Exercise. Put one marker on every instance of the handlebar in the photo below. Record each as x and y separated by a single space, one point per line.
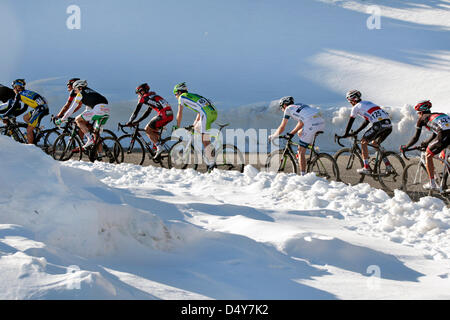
411 149
337 138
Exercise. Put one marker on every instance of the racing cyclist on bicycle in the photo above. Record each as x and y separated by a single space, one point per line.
206 115
381 126
19 104
96 110
69 101
439 125
309 122
163 117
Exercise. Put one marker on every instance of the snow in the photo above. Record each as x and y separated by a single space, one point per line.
81 230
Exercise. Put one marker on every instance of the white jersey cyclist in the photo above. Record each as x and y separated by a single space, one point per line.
369 111
312 121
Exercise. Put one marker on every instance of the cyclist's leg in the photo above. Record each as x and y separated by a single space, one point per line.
33 119
152 129
30 128
370 135
307 135
207 118
441 142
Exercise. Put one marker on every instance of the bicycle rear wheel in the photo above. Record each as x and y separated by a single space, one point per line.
279 162
182 155
348 162
49 140
413 178
390 171
229 157
67 147
133 149
324 166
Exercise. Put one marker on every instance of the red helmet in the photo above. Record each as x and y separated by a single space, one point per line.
143 87
423 106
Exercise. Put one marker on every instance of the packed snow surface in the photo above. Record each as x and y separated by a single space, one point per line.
99 231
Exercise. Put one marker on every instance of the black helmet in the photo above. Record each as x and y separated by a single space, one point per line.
143 87
286 100
19 82
353 95
71 81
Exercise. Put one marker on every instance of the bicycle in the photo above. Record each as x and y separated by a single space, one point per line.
43 138
135 146
183 154
416 175
69 144
284 160
387 165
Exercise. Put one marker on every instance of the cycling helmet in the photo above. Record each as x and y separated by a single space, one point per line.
423 106
80 84
143 87
353 95
18 82
71 81
180 87
286 100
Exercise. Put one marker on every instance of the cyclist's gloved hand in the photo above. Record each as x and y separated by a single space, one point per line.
402 147
272 137
59 122
128 124
174 128
290 135
423 144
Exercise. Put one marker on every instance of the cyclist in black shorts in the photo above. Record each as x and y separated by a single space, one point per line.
439 125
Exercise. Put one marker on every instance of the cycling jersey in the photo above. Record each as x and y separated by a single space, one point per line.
369 111
154 102
434 122
197 103
6 93
90 98
303 113
22 101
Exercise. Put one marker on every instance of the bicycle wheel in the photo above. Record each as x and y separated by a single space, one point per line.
348 162
133 149
229 157
182 155
166 144
390 171
67 147
279 162
324 166
106 133
413 178
112 151
49 140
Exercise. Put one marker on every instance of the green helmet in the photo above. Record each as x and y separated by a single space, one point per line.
180 87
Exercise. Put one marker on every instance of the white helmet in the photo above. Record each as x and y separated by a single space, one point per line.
353 95
80 84
286 100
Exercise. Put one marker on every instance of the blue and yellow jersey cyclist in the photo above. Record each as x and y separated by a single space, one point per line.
20 103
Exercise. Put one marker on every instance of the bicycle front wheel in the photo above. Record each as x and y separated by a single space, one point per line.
67 147
133 149
413 178
49 140
277 161
348 162
324 166
112 151
182 155
229 157
390 169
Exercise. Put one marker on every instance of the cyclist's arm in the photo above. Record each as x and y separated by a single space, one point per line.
415 138
363 125
64 108
145 115
349 126
135 112
281 128
179 114
76 104
297 128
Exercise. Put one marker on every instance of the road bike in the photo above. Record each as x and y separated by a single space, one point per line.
284 160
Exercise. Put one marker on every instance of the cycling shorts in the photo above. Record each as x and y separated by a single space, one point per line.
161 119
36 115
99 115
380 130
439 143
309 131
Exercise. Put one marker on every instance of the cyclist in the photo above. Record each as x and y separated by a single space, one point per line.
309 122
69 101
381 126
206 115
163 117
439 125
19 104
6 94
96 110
